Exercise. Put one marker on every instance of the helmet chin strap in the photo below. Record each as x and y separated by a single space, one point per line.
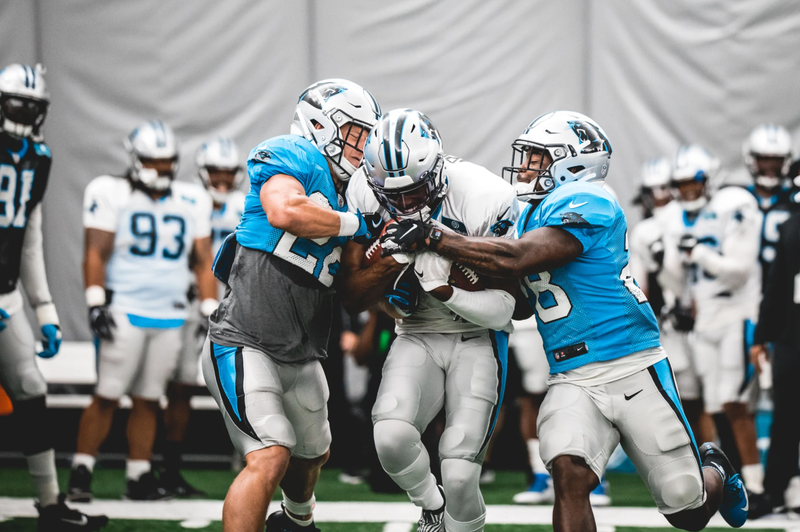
694 205
17 130
768 181
218 196
151 180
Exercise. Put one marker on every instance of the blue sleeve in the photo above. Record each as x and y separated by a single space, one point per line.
279 156
586 210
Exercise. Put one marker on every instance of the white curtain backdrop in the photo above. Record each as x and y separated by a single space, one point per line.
653 73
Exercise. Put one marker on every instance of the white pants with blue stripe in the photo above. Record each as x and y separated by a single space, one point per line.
643 413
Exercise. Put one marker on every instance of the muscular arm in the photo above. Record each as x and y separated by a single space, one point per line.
536 251
206 283
364 288
288 208
32 271
97 248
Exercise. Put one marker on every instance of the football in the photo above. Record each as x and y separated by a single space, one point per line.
373 252
465 278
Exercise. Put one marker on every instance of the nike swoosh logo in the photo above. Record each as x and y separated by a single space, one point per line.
501 215
576 205
376 223
629 397
419 274
83 521
468 338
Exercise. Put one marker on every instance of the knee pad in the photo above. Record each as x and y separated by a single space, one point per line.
397 443
460 479
31 420
678 484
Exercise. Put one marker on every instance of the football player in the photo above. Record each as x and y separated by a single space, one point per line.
221 173
712 247
451 350
610 379
262 357
140 231
767 154
24 170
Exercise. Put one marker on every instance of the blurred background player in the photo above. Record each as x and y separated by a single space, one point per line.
220 172
711 247
261 361
24 171
140 231
452 337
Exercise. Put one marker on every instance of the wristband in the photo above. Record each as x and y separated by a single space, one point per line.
434 236
95 296
348 223
208 306
46 314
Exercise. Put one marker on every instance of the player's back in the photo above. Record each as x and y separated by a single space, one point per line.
148 271
590 309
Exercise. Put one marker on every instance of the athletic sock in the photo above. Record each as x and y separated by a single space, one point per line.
42 467
427 494
134 469
477 524
753 476
81 459
535 459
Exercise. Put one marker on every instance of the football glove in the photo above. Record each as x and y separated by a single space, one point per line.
101 322
403 237
369 227
52 341
432 270
3 317
687 243
657 253
404 292
681 318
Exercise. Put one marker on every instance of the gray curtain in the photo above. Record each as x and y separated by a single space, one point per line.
652 73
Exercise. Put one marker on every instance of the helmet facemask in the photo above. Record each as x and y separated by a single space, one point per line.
525 163
154 174
351 134
695 198
220 182
768 171
22 115
405 198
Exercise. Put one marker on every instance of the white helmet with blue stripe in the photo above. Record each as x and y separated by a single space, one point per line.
153 143
404 164
220 154
23 100
768 141
577 145
692 163
323 111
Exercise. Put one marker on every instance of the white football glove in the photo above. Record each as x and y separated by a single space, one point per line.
403 258
432 270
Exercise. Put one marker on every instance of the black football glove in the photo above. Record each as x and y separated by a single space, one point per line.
681 318
406 236
404 292
369 229
687 243
657 253
101 322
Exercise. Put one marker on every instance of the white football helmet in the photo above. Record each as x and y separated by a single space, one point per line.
151 141
23 100
404 164
655 191
324 109
693 163
768 140
219 154
579 148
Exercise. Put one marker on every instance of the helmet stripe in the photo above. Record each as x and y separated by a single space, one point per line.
398 141
27 80
387 153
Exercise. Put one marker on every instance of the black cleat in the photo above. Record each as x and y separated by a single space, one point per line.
280 522
760 505
432 520
735 506
173 481
61 518
80 485
147 488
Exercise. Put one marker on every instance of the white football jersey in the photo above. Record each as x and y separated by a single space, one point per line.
642 237
148 271
225 219
724 282
477 202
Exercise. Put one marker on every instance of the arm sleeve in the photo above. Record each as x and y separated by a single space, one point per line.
32 271
99 208
738 251
773 312
488 308
585 210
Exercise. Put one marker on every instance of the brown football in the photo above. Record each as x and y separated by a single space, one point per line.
465 278
373 252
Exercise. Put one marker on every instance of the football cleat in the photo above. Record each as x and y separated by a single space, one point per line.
599 496
173 481
280 522
735 505
147 488
432 520
539 492
80 485
61 518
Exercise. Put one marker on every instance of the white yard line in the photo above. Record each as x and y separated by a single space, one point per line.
395 514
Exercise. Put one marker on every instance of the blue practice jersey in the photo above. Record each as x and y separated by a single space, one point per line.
591 309
294 156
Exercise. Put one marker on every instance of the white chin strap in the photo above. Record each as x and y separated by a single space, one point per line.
17 130
768 181
694 205
218 196
150 179
344 170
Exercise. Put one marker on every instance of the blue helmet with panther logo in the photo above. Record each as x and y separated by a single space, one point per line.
577 145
